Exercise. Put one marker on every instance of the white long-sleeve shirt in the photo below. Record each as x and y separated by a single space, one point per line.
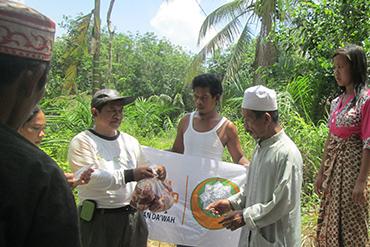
110 157
270 199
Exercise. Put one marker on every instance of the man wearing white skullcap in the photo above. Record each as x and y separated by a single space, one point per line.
259 98
37 206
268 206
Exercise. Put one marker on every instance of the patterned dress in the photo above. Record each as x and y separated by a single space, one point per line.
342 222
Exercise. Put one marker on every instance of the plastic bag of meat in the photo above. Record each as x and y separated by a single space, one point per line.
153 194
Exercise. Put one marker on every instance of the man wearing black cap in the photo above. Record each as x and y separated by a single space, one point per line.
36 204
107 219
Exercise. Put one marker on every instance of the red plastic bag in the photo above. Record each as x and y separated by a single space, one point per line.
153 194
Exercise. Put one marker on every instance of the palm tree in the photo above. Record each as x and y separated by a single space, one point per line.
237 15
95 49
111 34
77 48
79 40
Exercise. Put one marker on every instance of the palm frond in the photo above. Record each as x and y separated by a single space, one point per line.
194 67
226 13
78 36
76 50
302 94
70 78
237 57
226 36
284 8
265 8
234 102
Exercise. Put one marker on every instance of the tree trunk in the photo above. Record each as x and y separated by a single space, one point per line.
95 49
266 52
111 34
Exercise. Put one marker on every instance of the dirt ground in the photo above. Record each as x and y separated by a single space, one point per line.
152 243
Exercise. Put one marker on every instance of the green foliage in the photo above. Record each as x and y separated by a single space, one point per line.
162 141
309 137
150 121
153 70
77 48
153 122
66 116
148 117
302 94
142 65
327 25
235 18
235 85
308 41
309 226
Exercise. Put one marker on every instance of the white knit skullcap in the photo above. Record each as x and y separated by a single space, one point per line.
259 98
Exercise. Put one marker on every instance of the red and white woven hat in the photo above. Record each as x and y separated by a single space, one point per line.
24 32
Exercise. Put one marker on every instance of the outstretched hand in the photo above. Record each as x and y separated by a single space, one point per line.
83 179
233 220
219 207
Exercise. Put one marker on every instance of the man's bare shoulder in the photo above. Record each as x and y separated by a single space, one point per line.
230 128
184 121
186 117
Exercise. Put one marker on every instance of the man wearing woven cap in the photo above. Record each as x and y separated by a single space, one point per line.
37 207
268 206
118 162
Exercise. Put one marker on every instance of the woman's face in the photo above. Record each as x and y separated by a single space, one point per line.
33 130
342 71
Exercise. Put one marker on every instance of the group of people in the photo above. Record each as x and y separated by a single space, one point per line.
38 208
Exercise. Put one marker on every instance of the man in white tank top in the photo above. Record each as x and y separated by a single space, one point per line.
205 132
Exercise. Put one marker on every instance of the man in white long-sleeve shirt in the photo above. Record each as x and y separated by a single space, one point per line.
118 161
268 206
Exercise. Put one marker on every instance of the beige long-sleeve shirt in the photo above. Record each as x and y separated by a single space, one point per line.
110 157
271 197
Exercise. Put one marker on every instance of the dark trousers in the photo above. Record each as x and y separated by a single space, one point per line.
114 229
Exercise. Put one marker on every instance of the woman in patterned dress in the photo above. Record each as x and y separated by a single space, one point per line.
343 176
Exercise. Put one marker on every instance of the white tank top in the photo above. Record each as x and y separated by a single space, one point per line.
204 144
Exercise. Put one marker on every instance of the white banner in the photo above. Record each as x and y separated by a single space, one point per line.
198 181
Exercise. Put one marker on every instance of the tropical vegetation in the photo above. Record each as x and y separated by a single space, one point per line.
292 54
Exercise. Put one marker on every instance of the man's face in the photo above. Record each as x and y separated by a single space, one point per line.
256 127
203 100
110 116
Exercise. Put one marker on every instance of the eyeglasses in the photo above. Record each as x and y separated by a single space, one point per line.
36 129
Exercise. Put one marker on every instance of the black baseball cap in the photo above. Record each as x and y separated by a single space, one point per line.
104 96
